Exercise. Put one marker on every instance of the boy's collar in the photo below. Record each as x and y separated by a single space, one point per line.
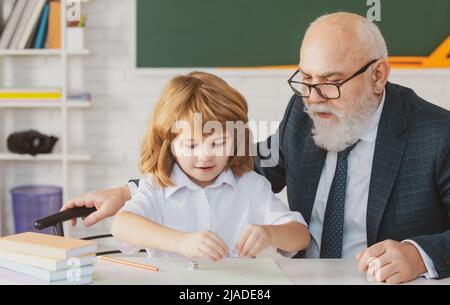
181 180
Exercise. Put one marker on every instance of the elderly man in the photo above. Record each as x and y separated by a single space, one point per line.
365 161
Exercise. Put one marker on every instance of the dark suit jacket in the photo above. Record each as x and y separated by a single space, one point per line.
409 192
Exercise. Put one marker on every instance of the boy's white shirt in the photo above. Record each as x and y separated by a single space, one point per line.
225 207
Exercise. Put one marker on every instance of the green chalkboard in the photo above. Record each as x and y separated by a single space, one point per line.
249 33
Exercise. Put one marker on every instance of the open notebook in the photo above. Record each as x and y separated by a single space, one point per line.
231 271
234 271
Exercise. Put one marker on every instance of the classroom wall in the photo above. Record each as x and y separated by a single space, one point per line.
122 101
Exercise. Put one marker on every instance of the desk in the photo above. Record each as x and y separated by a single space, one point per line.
296 271
293 271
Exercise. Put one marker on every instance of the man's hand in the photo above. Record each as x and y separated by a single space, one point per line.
392 262
204 244
107 202
253 240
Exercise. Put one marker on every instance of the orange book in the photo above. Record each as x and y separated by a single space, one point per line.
44 245
54 25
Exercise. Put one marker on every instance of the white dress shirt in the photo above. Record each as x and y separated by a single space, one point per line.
226 207
358 180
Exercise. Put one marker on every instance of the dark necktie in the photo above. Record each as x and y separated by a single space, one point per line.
333 223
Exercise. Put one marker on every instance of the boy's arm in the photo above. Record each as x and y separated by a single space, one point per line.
271 224
137 230
289 237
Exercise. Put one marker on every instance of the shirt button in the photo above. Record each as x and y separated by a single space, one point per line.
448 262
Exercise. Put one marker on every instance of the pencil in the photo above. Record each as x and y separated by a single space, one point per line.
128 263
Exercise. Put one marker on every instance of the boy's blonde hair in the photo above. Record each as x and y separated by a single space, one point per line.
181 99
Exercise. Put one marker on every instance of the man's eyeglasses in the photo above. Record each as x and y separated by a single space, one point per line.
325 90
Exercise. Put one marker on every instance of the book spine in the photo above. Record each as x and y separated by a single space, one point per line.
40 38
12 23
45 274
38 250
19 278
31 24
54 25
44 263
22 24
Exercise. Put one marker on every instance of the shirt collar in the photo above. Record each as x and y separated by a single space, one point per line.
370 134
181 180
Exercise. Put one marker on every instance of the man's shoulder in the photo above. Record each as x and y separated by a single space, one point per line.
296 122
417 109
251 180
427 125
295 108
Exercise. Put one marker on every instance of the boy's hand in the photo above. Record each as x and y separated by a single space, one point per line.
253 240
204 244
107 202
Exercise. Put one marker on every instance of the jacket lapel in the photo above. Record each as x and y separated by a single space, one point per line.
310 170
389 149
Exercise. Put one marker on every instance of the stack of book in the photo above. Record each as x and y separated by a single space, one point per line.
32 24
34 258
30 94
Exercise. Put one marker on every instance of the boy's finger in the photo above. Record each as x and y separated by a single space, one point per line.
256 249
219 241
210 251
242 240
249 244
216 247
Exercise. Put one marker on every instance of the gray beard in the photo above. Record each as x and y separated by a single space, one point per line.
336 136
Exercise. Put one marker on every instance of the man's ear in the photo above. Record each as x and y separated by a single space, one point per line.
380 75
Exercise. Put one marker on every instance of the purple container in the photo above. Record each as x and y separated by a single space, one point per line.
33 202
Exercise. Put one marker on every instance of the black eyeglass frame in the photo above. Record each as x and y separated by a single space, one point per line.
337 85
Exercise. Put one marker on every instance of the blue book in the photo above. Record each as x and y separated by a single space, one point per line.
40 36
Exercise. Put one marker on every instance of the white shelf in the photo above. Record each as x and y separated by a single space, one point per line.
64 105
78 53
42 52
44 157
72 104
